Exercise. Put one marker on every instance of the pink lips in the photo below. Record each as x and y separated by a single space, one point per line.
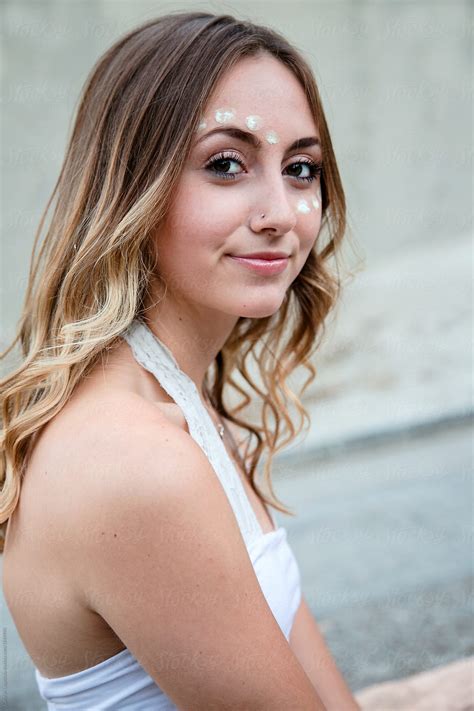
263 266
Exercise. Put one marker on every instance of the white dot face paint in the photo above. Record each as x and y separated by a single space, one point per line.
272 137
254 122
202 125
224 115
303 206
315 202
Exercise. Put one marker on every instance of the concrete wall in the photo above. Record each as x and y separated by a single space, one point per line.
395 80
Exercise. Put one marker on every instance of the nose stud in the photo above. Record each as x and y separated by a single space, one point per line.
262 215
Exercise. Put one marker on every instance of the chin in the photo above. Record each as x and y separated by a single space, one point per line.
260 310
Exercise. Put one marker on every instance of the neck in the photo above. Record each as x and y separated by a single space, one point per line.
194 336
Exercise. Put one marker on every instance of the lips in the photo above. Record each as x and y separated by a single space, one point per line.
262 255
262 265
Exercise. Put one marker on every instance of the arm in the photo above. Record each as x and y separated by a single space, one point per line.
310 648
165 565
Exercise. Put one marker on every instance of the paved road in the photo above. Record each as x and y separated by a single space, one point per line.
383 536
384 541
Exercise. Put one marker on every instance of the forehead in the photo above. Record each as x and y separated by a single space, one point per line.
264 86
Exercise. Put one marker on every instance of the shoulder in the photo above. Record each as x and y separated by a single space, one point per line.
127 477
141 440
113 432
89 424
140 487
152 546
90 458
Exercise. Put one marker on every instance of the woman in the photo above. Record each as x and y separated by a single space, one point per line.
185 237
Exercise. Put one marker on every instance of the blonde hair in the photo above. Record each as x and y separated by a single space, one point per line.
90 278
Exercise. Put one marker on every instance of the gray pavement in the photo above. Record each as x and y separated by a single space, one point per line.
383 536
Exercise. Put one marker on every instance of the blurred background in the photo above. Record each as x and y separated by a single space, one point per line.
381 484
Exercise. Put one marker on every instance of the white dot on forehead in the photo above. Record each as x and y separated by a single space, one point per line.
224 115
272 137
303 207
202 124
254 122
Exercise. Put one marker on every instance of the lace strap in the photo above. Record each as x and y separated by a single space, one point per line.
157 358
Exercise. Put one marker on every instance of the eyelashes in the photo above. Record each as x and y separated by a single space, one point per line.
221 160
314 168
219 164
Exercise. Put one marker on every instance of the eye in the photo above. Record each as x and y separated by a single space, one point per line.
221 165
305 170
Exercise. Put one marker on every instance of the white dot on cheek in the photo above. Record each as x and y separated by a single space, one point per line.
303 207
224 115
315 202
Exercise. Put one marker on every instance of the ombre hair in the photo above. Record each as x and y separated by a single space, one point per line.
91 276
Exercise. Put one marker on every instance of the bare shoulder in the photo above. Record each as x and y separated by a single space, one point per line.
87 453
103 425
160 557
128 434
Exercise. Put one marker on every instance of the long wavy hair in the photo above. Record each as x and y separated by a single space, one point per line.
91 276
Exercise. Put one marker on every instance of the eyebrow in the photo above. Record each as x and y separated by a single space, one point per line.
255 142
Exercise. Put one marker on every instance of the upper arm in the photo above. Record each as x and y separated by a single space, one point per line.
165 565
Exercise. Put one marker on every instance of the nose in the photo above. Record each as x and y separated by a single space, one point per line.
279 215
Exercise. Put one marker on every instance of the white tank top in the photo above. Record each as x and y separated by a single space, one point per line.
119 682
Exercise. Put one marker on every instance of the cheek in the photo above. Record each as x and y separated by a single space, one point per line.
309 230
194 235
205 213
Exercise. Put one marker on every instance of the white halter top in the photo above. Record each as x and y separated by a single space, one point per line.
119 682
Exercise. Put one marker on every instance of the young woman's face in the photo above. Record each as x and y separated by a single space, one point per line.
244 164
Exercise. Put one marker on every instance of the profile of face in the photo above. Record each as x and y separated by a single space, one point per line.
244 163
